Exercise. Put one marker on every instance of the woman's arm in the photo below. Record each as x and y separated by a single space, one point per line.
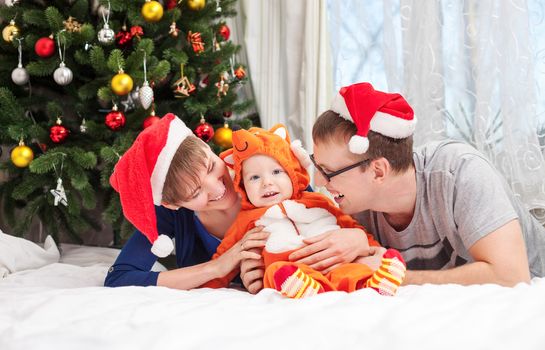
133 265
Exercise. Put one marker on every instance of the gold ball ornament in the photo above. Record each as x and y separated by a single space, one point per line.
152 11
22 155
10 32
224 136
196 5
121 83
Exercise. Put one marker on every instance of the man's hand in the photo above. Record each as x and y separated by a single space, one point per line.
374 259
330 249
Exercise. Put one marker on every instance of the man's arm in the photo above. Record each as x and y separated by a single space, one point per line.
500 257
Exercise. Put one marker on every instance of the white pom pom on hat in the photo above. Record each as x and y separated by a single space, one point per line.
385 113
162 246
358 144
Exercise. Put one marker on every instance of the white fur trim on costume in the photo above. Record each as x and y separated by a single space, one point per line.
358 144
177 132
282 132
283 235
288 234
162 246
301 153
339 106
391 126
310 222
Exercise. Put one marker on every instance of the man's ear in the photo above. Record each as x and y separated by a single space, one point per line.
381 169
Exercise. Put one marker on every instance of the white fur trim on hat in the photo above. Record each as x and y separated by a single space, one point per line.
177 132
392 126
301 153
162 246
358 144
338 105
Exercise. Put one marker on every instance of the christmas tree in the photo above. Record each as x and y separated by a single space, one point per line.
80 79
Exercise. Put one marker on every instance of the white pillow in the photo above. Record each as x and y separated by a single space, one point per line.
18 254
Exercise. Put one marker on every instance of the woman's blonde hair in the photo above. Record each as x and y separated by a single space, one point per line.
183 174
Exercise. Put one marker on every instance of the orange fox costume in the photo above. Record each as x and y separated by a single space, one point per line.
304 215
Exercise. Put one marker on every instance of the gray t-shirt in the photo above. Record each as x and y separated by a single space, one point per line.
460 198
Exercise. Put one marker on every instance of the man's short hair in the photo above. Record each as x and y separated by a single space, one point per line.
399 152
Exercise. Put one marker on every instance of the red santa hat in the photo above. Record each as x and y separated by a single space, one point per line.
384 113
139 177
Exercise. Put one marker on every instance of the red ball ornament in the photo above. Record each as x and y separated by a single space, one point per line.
204 131
150 120
171 4
227 114
58 133
115 120
224 31
45 47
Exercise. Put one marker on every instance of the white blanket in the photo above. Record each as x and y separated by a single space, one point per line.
63 306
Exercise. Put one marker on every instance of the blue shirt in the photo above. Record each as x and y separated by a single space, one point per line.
193 245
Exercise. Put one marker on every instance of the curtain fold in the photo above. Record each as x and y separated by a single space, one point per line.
287 48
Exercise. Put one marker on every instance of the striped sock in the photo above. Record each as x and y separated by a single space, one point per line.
389 275
294 283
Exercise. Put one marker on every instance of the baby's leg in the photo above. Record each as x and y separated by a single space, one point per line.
295 280
389 275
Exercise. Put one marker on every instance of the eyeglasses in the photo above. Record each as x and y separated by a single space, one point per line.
329 176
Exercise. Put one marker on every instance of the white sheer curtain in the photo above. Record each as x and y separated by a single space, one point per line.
467 68
287 48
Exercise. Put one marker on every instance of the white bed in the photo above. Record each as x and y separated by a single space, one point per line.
62 305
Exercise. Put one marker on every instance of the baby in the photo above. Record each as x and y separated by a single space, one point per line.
273 182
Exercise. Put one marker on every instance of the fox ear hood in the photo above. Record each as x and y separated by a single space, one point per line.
227 157
274 143
281 131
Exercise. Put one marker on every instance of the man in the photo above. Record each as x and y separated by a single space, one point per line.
444 207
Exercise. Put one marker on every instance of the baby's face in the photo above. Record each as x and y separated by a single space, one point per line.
265 181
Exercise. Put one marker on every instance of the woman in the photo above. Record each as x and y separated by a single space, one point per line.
171 185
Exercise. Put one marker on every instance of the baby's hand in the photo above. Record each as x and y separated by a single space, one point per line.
374 259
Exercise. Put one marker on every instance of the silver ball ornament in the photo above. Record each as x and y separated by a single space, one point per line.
63 75
106 35
20 75
146 95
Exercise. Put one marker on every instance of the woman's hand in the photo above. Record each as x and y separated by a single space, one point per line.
330 249
248 248
252 272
